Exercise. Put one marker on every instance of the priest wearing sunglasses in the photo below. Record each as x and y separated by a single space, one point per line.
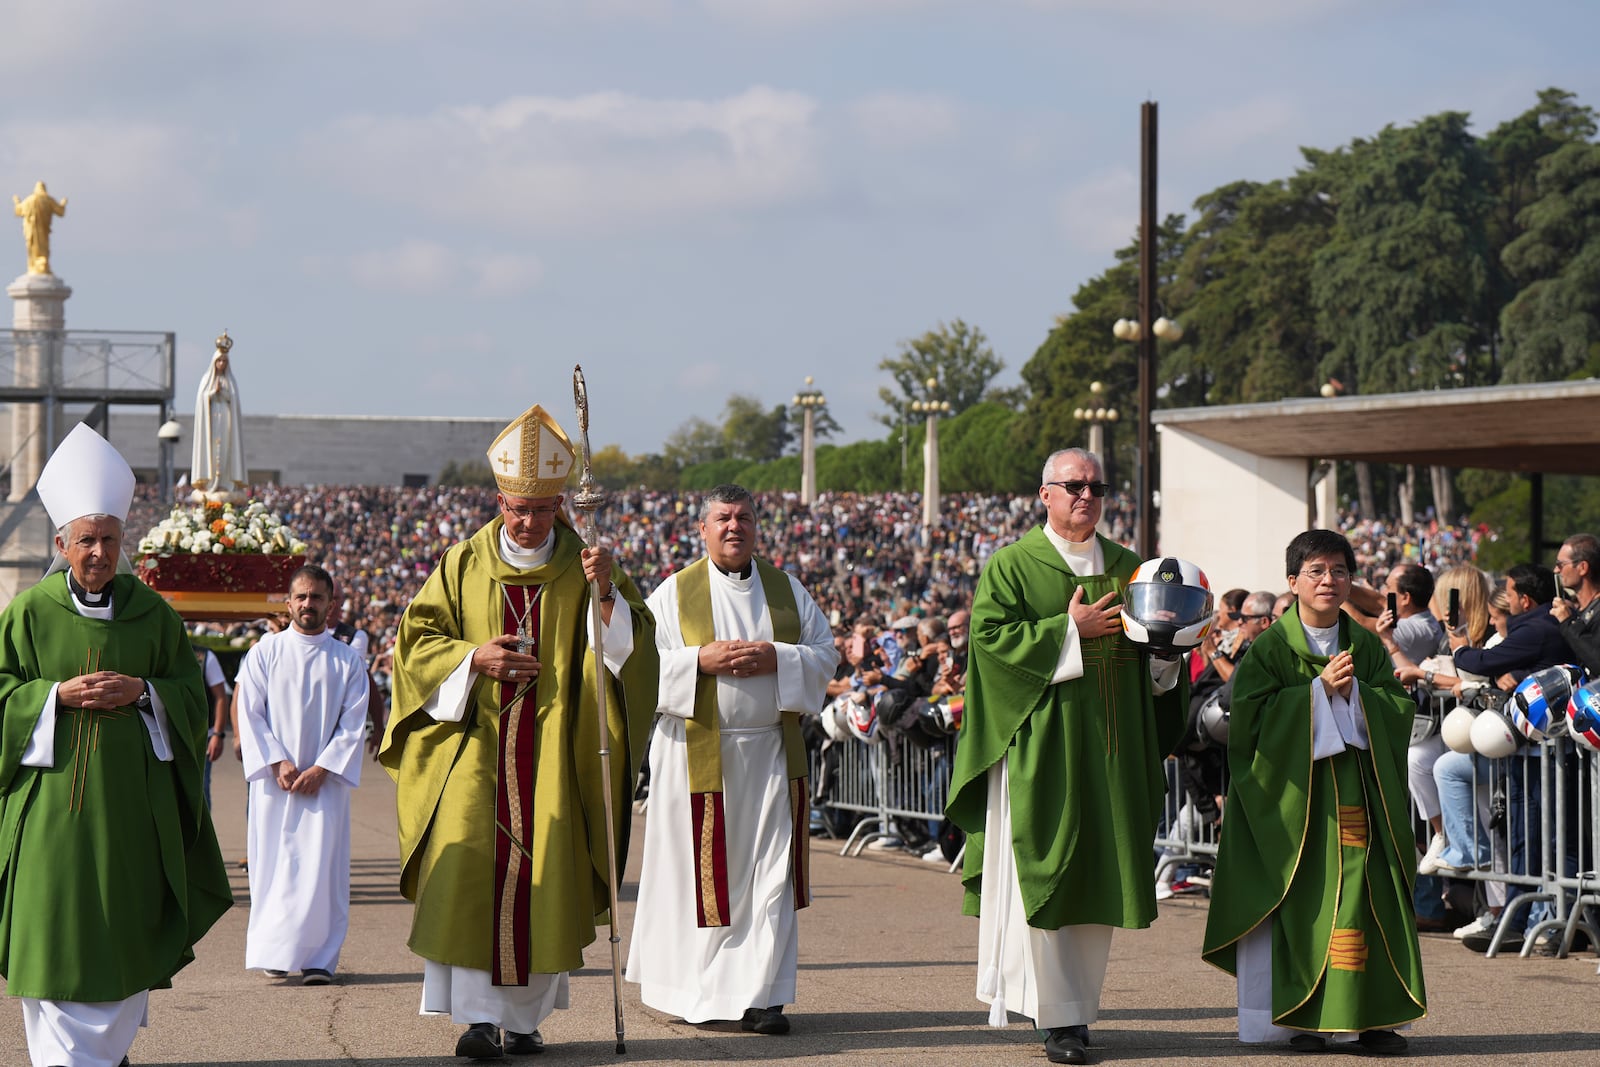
1058 780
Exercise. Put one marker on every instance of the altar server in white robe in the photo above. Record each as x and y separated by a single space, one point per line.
302 716
744 652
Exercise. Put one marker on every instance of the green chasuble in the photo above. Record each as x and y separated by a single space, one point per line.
109 867
1321 849
448 773
1083 757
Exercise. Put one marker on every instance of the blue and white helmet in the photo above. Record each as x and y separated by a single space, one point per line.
1583 716
1539 702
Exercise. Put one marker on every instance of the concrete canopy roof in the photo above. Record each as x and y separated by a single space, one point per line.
1548 427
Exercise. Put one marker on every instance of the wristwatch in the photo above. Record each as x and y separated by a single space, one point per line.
1427 678
216 733
143 702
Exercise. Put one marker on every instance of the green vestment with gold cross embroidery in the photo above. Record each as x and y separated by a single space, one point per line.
1083 757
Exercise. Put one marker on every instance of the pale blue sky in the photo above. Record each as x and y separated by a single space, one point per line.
437 208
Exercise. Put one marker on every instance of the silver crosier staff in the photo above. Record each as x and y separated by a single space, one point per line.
588 499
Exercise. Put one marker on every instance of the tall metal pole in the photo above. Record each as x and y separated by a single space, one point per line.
808 458
1147 318
590 498
930 478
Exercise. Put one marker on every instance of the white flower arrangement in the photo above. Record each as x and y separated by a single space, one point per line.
221 529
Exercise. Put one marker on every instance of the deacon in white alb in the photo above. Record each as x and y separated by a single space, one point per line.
302 713
744 652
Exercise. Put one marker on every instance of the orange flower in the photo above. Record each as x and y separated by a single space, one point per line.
218 525
225 542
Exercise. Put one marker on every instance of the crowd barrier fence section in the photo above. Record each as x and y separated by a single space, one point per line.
1546 855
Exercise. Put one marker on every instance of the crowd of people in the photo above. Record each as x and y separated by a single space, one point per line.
899 603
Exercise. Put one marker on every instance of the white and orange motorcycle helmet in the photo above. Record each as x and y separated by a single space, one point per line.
1167 609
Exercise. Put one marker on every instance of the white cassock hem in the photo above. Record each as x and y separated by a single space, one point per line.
470 996
83 1034
1053 977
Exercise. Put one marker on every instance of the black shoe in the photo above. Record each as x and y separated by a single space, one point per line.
523 1044
769 1021
1479 943
315 976
1063 1045
480 1042
1308 1043
1381 1043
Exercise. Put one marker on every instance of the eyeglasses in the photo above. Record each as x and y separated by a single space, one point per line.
1563 564
1234 616
525 514
1316 574
1096 489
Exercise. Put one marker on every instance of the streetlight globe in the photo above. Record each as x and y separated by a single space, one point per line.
1135 330
932 384
1112 415
1096 388
808 381
1077 413
797 400
1119 330
1327 390
1167 329
944 406
819 401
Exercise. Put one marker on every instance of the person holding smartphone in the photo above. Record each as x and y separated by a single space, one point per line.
1577 570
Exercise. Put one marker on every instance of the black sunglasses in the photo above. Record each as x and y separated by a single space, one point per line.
1096 489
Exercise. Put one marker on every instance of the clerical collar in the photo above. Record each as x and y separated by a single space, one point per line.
742 575
102 599
525 559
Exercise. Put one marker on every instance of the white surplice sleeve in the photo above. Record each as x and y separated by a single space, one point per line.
805 669
680 665
259 747
341 756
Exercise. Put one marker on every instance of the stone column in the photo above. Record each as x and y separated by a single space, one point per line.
38 321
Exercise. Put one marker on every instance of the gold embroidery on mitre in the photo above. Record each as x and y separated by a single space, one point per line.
1348 952
1353 826
532 457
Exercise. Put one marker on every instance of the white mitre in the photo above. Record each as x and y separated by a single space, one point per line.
532 457
85 476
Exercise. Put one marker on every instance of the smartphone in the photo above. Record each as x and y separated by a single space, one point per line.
1561 590
1453 613
1394 606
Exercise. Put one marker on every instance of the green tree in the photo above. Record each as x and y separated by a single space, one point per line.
861 467
750 432
1399 287
1552 326
1517 148
1243 289
696 441
957 355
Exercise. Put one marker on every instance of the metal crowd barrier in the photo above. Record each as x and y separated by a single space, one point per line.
1543 834
1183 838
875 781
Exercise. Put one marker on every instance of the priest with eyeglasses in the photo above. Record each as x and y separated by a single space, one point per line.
494 741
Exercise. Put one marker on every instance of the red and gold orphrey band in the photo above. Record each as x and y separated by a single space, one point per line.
513 840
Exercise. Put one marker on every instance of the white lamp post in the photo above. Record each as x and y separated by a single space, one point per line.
1097 418
808 400
168 435
932 408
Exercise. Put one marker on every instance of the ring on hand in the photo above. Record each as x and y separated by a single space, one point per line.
512 673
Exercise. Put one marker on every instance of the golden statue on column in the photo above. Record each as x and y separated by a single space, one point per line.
37 212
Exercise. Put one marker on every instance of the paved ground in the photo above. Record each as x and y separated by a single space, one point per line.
886 978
